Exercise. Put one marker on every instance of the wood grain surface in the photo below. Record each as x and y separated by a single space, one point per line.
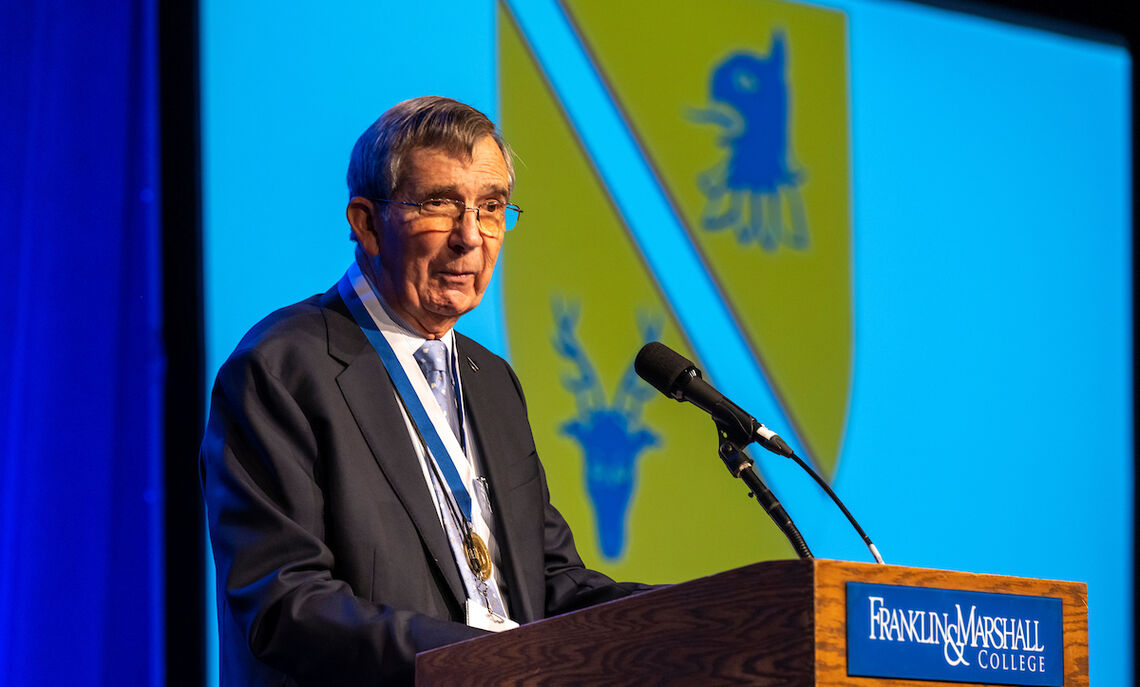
747 626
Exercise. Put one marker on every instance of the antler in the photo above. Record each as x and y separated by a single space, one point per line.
586 388
632 393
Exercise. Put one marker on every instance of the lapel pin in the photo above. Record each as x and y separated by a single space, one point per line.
474 367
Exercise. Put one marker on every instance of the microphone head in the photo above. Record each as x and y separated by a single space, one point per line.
663 368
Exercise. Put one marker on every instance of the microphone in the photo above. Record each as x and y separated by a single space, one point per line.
675 376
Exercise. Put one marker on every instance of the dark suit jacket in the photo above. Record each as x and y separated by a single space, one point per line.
332 565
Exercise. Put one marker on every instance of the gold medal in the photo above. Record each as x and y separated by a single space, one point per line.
478 557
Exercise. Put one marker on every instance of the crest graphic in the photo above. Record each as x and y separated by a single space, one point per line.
710 184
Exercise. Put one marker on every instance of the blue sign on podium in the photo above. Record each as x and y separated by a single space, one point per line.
946 634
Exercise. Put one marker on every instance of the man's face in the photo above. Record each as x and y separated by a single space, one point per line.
437 268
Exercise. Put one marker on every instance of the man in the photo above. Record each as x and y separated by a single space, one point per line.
371 481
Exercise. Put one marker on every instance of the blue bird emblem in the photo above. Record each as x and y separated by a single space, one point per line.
753 190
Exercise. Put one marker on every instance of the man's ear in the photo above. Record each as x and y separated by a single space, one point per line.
364 228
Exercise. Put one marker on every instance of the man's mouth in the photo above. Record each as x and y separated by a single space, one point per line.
456 276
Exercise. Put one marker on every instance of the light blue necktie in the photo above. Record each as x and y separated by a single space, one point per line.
432 359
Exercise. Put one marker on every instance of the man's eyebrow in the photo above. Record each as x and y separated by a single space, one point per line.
453 192
439 192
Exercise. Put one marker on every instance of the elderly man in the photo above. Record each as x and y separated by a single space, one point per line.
370 476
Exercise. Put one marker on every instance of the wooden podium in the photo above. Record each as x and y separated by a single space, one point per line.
774 623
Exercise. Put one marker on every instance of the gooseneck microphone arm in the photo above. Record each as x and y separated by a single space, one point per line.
740 465
835 497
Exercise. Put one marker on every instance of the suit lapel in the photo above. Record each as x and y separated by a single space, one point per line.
516 539
368 391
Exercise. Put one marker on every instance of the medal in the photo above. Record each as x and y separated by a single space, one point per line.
478 557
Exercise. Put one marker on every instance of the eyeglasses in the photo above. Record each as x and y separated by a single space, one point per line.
493 217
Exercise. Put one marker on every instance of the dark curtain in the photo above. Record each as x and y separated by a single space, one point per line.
81 359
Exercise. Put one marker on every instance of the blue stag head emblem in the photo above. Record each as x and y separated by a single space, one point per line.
611 434
749 189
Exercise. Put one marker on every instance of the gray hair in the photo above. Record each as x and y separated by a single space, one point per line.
375 169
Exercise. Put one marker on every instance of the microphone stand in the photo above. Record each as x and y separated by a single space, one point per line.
739 464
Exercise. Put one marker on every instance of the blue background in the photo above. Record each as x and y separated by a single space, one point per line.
81 352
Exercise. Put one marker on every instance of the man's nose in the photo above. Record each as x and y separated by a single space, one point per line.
467 232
